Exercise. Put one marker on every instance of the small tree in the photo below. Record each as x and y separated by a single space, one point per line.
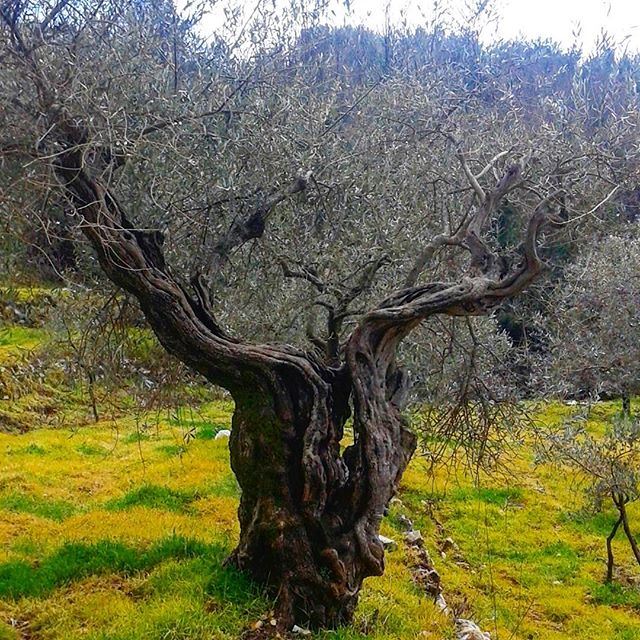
610 465
594 325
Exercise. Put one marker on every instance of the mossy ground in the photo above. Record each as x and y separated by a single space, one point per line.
118 530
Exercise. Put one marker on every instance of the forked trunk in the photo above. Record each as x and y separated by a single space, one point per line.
610 560
309 515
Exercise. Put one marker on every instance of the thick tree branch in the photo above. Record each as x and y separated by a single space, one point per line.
379 385
469 234
251 226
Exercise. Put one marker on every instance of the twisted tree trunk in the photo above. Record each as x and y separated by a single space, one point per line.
310 513
309 516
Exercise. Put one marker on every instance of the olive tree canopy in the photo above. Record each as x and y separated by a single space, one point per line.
286 217
594 332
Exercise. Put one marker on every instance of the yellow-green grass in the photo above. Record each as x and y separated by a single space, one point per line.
107 532
112 532
37 294
118 530
536 552
36 393
17 341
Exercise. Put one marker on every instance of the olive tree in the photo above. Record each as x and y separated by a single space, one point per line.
594 330
284 230
609 464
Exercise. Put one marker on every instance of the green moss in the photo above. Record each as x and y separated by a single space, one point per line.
225 584
180 618
499 496
227 487
34 449
74 561
208 430
626 633
91 450
136 437
616 595
21 337
599 523
7 632
172 449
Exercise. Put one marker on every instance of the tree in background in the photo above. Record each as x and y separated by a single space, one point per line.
258 188
610 465
592 338
594 330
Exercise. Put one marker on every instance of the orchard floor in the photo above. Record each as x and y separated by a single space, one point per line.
118 530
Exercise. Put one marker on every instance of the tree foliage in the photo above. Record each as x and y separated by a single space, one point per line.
287 212
595 328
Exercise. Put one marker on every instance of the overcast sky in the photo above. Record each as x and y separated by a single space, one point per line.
560 20
566 21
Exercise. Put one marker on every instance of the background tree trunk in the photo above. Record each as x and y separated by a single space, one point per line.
627 530
626 405
610 561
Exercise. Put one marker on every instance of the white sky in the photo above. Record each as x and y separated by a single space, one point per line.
565 21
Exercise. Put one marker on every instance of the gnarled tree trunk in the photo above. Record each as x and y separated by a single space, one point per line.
310 512
310 516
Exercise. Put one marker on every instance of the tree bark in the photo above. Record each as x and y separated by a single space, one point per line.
627 530
626 405
285 454
309 516
610 537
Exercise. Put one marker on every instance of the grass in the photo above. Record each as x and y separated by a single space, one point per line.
208 430
96 571
72 562
173 449
156 497
91 450
17 343
500 496
104 535
56 510
616 595
18 338
109 532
